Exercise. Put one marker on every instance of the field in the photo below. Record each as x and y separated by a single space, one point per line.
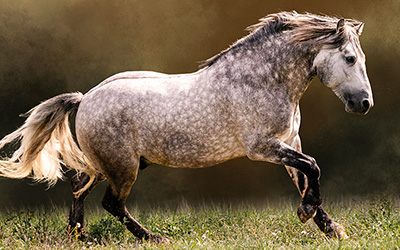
371 224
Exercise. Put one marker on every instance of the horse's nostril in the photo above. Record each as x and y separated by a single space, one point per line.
365 104
350 103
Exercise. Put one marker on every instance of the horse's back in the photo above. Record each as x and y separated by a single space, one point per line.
129 75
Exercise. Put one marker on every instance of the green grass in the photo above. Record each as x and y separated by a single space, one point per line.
371 224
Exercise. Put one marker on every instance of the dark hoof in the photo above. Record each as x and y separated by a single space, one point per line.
157 239
306 212
336 231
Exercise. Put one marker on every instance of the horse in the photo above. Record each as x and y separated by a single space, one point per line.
242 102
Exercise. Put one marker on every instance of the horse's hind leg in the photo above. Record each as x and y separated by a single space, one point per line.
76 214
120 183
321 218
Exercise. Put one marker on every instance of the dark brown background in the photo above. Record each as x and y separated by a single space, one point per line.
51 47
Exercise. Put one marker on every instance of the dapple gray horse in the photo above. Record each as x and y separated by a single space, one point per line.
242 102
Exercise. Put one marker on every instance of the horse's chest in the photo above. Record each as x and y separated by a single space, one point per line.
279 119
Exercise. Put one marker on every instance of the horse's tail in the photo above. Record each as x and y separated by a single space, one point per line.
46 143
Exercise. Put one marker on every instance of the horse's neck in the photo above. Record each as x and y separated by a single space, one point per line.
268 65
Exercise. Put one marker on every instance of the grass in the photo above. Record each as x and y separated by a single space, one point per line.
371 224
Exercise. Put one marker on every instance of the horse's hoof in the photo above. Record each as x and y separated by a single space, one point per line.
337 232
306 212
77 233
157 239
83 235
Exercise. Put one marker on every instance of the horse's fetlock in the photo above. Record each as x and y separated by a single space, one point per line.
77 231
306 211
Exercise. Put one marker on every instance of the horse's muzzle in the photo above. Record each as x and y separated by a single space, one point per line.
359 103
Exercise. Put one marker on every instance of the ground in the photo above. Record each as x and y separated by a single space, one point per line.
372 223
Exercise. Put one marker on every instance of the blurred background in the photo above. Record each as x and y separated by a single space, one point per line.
52 47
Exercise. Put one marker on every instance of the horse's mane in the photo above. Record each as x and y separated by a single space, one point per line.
304 28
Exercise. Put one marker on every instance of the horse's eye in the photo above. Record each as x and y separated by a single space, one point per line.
350 59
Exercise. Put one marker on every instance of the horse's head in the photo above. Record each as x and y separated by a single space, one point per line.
343 69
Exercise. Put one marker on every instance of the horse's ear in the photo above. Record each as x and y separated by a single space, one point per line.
359 28
340 26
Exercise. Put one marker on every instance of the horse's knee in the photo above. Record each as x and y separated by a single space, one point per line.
315 170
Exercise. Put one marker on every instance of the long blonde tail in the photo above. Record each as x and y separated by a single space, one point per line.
46 143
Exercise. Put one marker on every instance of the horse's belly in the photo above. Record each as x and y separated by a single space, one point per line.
185 151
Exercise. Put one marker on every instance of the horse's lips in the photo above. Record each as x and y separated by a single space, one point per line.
350 111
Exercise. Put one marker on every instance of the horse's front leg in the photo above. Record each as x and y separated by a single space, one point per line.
321 218
275 151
